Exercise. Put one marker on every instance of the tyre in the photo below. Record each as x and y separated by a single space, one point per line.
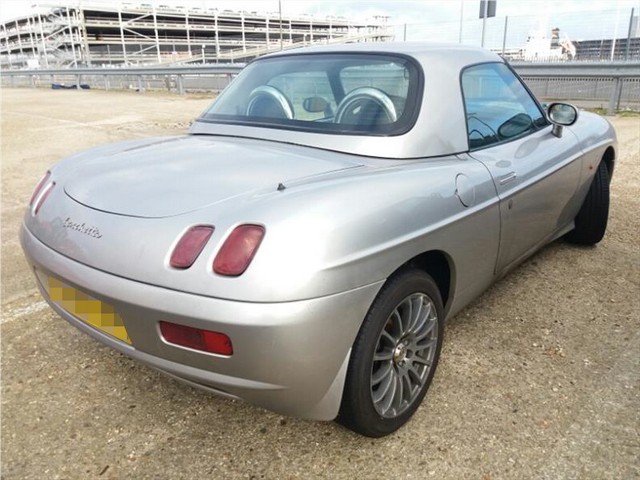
394 356
591 220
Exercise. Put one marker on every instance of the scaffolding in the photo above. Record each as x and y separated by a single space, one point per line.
127 34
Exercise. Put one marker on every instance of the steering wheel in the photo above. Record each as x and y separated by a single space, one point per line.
365 99
268 101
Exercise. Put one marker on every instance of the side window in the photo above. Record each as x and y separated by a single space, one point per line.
499 108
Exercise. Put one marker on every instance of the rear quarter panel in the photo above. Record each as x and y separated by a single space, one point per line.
361 227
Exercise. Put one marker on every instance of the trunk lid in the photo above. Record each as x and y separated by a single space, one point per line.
183 174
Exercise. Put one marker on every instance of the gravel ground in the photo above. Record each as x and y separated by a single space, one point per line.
539 378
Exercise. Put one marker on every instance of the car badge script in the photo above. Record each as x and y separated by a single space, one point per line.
82 228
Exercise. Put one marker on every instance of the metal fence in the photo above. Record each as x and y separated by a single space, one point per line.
179 79
596 92
613 86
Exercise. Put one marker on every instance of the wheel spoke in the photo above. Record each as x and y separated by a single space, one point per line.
388 396
426 316
398 394
410 313
429 328
412 371
421 346
405 316
409 390
419 320
425 344
386 354
423 312
422 361
383 389
388 337
380 374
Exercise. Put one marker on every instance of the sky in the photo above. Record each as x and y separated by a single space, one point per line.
578 19
401 11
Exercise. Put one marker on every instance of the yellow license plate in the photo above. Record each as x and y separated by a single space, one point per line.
90 310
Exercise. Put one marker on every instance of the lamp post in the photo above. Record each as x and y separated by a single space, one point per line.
484 5
280 12
461 16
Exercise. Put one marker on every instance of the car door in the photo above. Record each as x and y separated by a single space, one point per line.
535 172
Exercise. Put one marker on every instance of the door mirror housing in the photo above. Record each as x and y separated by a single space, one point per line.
561 115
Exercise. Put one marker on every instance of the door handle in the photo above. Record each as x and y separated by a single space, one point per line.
509 177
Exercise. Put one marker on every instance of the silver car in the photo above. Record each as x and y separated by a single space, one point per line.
302 246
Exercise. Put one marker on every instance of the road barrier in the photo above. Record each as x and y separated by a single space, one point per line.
614 84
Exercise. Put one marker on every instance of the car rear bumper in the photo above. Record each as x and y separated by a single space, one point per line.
289 357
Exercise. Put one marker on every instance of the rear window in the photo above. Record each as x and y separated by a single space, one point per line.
369 94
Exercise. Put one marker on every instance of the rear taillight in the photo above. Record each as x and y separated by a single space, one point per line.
41 183
238 250
190 245
196 338
35 208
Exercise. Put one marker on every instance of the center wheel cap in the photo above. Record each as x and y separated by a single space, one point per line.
399 353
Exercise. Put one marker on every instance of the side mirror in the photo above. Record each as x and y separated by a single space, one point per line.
561 115
516 125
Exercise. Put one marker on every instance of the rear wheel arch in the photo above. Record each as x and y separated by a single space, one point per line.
439 266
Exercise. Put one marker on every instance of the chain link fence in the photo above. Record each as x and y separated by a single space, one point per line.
587 36
588 92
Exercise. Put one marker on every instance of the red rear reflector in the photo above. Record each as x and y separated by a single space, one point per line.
41 184
190 246
238 250
196 338
42 197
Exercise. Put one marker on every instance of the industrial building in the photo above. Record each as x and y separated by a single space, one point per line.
542 48
608 49
143 34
